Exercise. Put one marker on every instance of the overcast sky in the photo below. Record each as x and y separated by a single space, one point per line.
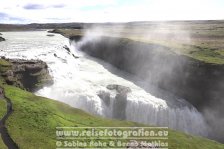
42 11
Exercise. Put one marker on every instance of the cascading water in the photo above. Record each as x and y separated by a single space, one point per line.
78 81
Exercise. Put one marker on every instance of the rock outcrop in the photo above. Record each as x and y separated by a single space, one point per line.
67 48
105 96
76 38
119 101
26 74
50 35
119 88
54 31
2 39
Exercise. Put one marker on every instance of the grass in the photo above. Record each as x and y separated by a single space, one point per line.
2 145
208 55
33 114
201 41
3 107
33 123
221 52
4 65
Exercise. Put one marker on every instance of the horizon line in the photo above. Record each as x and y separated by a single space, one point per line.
114 22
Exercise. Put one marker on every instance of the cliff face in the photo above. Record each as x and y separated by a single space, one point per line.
198 82
26 74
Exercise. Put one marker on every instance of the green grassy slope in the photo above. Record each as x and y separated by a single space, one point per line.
4 66
3 107
2 145
35 118
33 122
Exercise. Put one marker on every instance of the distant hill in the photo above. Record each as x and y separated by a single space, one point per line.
79 25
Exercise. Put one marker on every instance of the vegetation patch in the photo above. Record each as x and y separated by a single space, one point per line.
221 52
33 122
2 145
2 107
209 56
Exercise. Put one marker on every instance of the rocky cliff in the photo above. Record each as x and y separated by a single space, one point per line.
26 74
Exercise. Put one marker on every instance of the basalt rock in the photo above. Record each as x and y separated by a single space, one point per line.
67 48
75 37
2 39
54 31
119 101
119 107
119 88
50 35
26 74
105 96
75 56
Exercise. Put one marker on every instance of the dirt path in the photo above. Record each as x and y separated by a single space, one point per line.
3 130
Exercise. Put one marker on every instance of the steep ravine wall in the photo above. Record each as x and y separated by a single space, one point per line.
26 74
198 82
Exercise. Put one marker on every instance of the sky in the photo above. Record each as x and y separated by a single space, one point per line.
58 11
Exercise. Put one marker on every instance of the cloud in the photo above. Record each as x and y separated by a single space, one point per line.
39 6
34 6
3 15
6 18
58 6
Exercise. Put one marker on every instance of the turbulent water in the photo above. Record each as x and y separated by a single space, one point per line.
77 81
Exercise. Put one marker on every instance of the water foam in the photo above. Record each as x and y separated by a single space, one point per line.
77 82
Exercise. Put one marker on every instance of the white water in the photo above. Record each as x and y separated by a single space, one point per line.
77 82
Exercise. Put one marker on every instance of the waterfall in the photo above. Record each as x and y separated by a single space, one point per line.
147 109
77 82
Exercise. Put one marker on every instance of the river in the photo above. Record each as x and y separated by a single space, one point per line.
78 81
